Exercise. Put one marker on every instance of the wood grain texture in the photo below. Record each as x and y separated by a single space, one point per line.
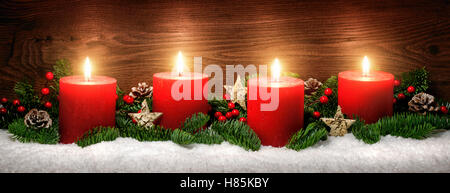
132 40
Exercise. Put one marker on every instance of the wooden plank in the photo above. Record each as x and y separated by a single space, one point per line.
131 41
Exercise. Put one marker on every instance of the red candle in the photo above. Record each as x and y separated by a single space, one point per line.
366 94
85 103
275 127
174 108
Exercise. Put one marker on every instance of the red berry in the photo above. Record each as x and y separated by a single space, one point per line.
128 99
394 100
45 91
140 110
222 118
235 112
328 91
21 109
217 114
49 75
401 96
242 119
411 89
4 100
397 82
16 102
231 105
228 115
48 105
134 121
3 110
316 114
226 97
323 99
444 109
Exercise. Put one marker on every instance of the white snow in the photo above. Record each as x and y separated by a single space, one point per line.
337 154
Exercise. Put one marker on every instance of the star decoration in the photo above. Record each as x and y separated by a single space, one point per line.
237 92
145 117
338 124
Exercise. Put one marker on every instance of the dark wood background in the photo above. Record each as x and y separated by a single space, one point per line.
131 40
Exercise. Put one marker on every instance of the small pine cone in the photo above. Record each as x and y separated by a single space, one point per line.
38 119
423 103
142 90
311 86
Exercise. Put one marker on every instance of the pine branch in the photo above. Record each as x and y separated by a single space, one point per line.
307 137
408 125
208 136
98 135
219 105
28 98
25 135
237 133
370 134
181 137
195 122
154 133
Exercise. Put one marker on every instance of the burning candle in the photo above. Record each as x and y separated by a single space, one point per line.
85 102
179 94
275 124
366 94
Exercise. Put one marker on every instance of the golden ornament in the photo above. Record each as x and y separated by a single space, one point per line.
338 124
145 118
237 92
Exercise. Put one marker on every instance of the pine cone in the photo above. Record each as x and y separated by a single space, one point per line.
142 90
311 86
422 103
38 119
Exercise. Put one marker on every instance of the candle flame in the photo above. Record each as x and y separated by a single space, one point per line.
366 66
180 63
276 69
87 69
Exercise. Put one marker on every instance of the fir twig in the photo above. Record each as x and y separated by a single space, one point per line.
42 135
208 136
307 137
181 137
408 125
195 122
98 135
237 133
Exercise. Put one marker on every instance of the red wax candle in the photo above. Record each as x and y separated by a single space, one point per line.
276 127
175 110
84 105
368 96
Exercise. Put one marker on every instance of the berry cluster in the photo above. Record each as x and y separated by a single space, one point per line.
401 96
230 114
46 91
17 104
324 100
128 99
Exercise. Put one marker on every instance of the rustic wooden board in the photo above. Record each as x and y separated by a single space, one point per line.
131 41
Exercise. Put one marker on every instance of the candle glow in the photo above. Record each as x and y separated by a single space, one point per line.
366 66
180 63
276 70
87 69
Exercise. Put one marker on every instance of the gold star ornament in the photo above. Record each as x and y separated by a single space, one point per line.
237 92
145 118
338 124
